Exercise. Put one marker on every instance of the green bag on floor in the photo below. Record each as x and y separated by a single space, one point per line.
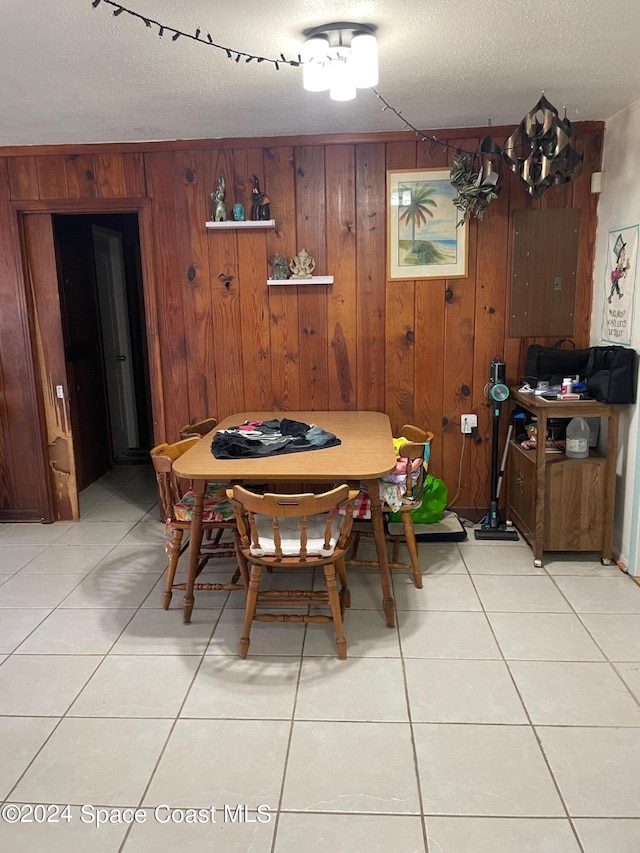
434 501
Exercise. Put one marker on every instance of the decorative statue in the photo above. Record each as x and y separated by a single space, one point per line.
239 213
260 210
280 270
302 265
217 197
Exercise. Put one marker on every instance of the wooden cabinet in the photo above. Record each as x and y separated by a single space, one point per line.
557 503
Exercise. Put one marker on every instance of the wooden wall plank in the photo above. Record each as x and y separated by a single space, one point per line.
81 173
23 177
430 352
371 274
24 484
171 330
283 301
134 179
341 264
52 177
311 212
400 383
458 365
110 178
193 262
225 300
253 272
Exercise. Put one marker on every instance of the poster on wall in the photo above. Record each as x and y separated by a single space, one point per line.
619 284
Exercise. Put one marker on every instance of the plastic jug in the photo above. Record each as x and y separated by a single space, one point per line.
577 446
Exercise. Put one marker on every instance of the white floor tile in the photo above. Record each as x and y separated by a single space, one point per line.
596 769
162 632
111 589
20 740
500 769
79 632
211 762
15 557
543 636
43 685
260 688
351 767
24 590
617 634
16 625
318 833
574 694
614 836
77 835
105 762
137 686
515 594
439 592
440 634
231 832
95 532
619 594
68 559
462 691
369 689
500 835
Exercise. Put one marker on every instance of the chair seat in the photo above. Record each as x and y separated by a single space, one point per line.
217 506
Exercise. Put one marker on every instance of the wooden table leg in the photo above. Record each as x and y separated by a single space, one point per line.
381 552
610 487
195 541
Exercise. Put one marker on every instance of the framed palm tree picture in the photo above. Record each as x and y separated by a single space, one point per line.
426 237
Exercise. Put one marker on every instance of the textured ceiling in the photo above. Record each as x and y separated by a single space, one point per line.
73 74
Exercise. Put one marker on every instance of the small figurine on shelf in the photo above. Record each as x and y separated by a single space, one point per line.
219 208
260 209
280 270
239 214
302 265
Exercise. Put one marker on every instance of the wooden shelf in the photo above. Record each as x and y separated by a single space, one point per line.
315 279
248 223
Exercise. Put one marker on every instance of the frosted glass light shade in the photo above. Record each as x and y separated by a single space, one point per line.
364 50
342 84
341 57
315 77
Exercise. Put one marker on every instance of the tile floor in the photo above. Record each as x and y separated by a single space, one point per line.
501 715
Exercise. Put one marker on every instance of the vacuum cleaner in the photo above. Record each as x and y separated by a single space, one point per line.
497 392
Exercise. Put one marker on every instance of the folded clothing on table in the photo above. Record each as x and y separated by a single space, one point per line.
270 438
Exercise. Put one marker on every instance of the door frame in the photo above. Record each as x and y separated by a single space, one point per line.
143 208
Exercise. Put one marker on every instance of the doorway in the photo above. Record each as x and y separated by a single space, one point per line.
103 325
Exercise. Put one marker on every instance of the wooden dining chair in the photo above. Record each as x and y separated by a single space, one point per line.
198 428
292 532
410 473
176 502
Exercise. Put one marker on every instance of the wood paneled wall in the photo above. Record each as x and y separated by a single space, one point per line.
223 341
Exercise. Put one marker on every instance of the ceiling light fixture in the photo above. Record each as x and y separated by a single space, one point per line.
340 57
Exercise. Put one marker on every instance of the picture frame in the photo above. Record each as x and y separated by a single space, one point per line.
426 234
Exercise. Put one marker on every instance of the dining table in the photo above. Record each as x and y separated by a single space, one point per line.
365 453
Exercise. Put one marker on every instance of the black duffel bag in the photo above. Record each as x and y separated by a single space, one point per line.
610 371
552 364
611 374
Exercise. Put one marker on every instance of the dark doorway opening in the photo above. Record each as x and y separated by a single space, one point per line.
103 319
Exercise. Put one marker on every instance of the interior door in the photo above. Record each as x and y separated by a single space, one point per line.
116 344
50 362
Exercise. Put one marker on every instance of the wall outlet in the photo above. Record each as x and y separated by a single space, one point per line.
468 423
